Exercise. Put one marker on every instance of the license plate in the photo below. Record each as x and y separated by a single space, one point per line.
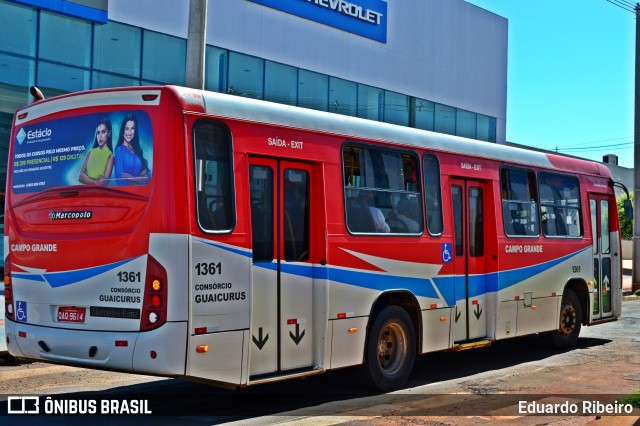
71 314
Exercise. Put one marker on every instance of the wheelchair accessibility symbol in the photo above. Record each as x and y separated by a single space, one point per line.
21 311
446 252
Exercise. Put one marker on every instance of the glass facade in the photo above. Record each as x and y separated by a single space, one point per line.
343 96
60 40
423 114
313 90
445 119
116 49
246 75
216 64
163 58
18 29
61 54
370 102
280 83
396 108
57 79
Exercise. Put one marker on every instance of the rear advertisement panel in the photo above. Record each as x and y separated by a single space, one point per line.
78 247
109 149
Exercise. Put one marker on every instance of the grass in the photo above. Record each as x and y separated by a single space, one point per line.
633 399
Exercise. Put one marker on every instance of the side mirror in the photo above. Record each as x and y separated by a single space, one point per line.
628 209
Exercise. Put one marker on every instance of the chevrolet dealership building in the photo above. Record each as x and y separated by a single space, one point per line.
439 65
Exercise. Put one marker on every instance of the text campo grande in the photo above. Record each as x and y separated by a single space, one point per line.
34 247
519 248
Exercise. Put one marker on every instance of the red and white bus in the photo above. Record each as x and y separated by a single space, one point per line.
240 241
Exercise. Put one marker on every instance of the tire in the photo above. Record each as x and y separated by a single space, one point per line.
568 331
390 350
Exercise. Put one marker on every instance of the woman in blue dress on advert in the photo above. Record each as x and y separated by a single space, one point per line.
130 166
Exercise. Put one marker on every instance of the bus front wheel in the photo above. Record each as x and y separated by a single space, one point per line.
568 330
390 351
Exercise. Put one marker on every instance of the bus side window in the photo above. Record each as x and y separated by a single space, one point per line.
213 180
519 202
382 191
297 215
432 194
560 205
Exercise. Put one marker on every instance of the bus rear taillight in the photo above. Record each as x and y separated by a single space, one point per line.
8 290
154 308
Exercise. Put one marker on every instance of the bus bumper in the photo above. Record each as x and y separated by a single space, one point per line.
152 352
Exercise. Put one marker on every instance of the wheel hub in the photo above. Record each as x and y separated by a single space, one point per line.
392 348
568 320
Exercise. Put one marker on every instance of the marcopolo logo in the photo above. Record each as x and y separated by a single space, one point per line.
21 135
85 214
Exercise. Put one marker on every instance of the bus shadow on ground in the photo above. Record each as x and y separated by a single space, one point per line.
441 366
174 399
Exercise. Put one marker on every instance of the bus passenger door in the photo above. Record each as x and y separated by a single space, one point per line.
600 227
469 207
282 288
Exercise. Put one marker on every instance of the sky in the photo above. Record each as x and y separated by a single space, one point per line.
570 74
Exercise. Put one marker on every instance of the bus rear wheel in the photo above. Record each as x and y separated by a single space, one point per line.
568 330
390 351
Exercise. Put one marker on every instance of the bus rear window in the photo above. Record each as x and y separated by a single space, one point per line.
106 149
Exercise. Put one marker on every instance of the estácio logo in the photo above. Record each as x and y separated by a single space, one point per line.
21 136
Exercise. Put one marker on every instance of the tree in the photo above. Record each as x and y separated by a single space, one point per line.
626 225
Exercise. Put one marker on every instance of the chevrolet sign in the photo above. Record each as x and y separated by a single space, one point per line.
366 18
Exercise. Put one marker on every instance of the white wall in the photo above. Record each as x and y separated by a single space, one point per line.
447 51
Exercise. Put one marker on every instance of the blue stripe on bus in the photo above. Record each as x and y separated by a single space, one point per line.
450 287
509 278
492 282
242 252
26 276
418 286
60 279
